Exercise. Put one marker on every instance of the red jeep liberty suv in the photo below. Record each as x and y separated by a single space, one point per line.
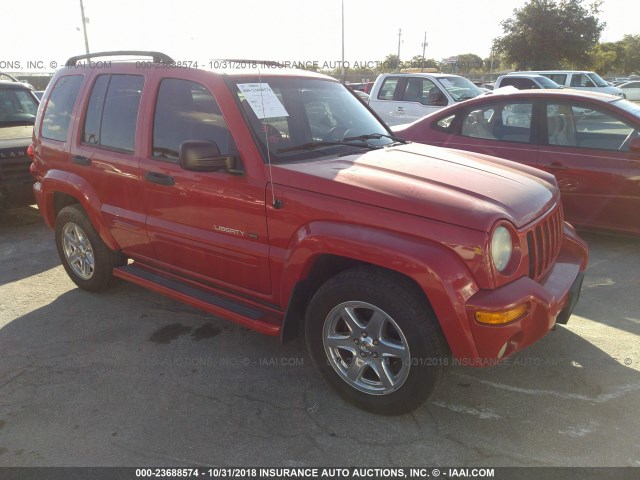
278 200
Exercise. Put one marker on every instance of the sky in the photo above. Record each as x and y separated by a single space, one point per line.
47 32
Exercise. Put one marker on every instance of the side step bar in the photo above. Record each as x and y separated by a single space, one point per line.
247 315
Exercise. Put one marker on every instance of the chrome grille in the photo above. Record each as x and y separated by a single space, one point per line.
543 240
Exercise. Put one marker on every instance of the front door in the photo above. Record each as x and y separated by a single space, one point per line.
210 226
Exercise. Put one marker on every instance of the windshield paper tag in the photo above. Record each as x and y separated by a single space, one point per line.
263 100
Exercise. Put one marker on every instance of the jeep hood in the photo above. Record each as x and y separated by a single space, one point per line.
453 186
15 136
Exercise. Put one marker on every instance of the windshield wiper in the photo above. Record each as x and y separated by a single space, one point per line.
314 145
374 136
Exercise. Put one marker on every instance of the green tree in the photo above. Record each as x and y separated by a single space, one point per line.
550 34
391 63
630 45
416 62
605 58
468 62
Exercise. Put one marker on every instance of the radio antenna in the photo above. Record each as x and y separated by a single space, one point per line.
274 203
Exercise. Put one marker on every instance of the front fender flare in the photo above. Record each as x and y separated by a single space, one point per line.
441 274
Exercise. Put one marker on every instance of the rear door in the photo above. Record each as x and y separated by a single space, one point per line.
586 148
503 129
106 153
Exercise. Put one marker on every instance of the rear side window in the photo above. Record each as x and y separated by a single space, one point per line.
112 112
507 122
559 78
55 123
187 110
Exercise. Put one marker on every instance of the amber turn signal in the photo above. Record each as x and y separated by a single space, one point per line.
501 316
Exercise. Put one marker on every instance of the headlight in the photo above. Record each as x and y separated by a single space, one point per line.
501 248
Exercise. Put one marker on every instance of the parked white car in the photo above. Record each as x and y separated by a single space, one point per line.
405 97
526 81
631 90
577 79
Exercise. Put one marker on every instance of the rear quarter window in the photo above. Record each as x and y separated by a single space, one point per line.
55 123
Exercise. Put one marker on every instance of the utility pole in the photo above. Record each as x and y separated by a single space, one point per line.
84 28
424 46
399 37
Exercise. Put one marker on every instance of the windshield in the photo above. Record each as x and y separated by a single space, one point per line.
459 88
597 80
17 107
305 118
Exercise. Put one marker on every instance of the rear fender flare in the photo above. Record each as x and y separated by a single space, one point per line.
58 181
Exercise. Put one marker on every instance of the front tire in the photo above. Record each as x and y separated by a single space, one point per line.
86 258
373 337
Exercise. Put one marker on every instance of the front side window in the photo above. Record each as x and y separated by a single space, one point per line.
112 112
187 110
421 90
583 80
508 122
55 123
585 127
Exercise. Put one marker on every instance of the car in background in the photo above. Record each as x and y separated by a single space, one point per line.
631 90
525 82
404 97
18 107
577 79
589 141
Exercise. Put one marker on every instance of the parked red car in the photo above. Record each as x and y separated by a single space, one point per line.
589 141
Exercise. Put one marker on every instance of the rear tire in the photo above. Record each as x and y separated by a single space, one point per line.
86 258
372 335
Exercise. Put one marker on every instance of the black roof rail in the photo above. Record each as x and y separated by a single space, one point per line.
158 57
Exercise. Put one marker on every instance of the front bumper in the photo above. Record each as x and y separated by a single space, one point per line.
548 302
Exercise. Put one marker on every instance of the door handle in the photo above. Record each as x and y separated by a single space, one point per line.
80 160
399 109
556 166
159 178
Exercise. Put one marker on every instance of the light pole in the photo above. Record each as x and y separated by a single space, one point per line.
344 80
84 28
424 46
399 41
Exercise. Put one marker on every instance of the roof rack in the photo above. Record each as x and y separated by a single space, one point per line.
10 77
158 57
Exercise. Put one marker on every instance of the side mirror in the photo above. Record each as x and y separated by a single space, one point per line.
204 156
634 145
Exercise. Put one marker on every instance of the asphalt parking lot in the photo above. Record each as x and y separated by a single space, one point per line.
131 378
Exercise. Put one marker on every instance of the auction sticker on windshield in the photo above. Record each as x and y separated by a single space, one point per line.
263 100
